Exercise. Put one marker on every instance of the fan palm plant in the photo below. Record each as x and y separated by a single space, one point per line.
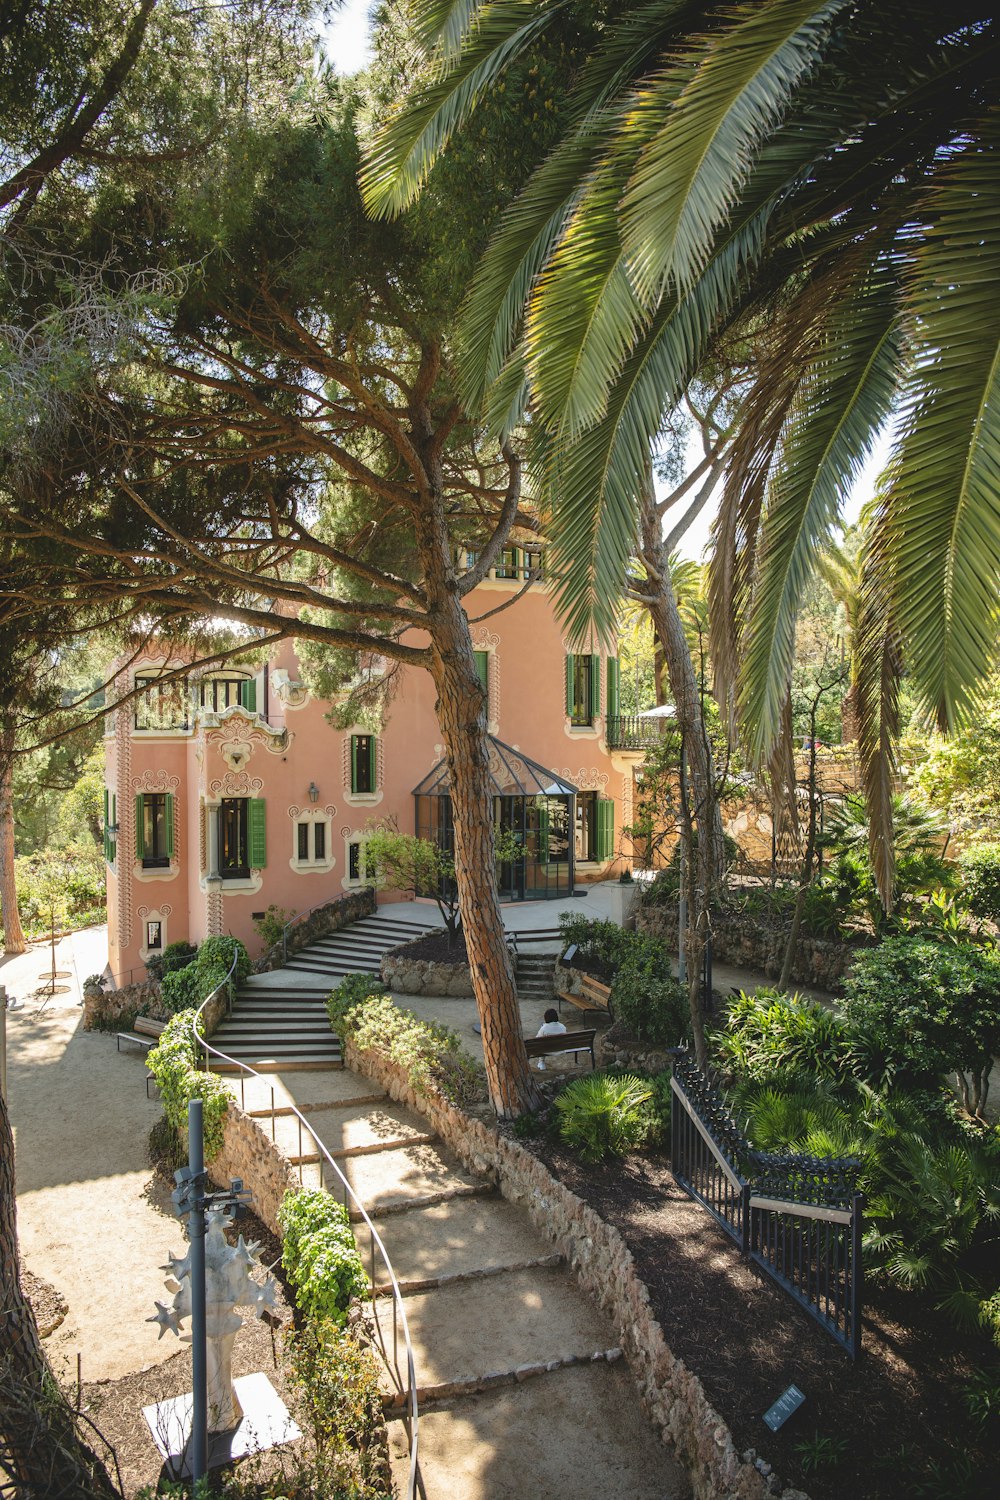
755 171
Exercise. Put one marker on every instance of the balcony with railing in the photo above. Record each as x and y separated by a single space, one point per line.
635 731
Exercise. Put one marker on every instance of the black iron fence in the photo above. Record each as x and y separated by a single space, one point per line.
797 1217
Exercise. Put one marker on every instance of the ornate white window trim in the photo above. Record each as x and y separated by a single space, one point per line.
154 914
324 816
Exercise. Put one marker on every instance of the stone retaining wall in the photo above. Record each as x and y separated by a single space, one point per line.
103 1009
325 919
423 976
750 943
249 1152
673 1397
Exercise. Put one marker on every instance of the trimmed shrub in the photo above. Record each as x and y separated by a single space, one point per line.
920 1009
319 1254
174 957
644 994
173 1063
604 1113
431 1055
980 869
190 985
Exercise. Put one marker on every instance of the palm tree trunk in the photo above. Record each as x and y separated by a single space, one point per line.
13 933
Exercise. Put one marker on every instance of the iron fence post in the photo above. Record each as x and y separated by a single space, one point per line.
857 1273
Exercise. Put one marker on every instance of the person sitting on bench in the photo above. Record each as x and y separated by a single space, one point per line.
551 1026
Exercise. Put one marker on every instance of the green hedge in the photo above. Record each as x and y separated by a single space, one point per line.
644 994
173 1063
319 1254
431 1055
187 987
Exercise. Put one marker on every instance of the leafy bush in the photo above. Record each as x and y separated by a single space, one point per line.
65 884
603 1113
190 985
339 1381
650 1002
431 1055
173 1063
319 1254
920 1009
980 869
271 925
353 989
644 993
174 957
769 1032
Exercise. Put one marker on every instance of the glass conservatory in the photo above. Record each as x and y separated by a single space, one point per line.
535 805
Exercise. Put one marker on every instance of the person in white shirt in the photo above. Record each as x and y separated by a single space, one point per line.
551 1026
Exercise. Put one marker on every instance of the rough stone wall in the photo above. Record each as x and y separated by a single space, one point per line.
422 976
105 1008
750 943
329 918
248 1152
673 1397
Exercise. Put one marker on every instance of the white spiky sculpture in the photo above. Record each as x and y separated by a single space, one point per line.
228 1285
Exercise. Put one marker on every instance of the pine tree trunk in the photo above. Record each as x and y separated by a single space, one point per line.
461 712
12 931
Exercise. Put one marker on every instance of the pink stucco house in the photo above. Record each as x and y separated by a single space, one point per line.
227 790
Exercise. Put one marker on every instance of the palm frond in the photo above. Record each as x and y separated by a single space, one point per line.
844 399
712 109
945 496
408 144
444 25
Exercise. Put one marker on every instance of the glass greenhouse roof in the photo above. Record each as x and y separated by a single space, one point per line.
513 775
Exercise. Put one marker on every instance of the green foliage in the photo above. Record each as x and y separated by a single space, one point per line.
339 1383
918 1009
64 885
918 834
174 957
431 1055
188 986
980 867
319 1254
353 989
603 1114
769 1033
989 1317
644 994
982 1398
173 1063
271 926
821 1452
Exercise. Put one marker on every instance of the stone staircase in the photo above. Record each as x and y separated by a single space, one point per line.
535 976
521 1385
279 1019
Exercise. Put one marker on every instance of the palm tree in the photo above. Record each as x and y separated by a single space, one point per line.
756 170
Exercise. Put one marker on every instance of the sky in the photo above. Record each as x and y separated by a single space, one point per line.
345 40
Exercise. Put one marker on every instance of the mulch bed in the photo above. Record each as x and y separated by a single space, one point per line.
433 947
900 1408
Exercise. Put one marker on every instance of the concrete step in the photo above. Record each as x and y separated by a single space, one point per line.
468 1331
469 1235
403 1175
355 1128
576 1434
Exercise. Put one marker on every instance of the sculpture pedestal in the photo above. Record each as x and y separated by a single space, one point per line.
264 1424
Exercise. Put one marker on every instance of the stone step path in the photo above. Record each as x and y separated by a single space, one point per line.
522 1388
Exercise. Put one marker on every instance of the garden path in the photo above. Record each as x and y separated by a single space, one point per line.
522 1389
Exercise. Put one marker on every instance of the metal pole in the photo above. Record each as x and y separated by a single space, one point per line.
199 1352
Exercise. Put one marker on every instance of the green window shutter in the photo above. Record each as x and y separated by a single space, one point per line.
372 761
354 762
168 818
140 831
257 828
248 695
613 693
483 668
113 841
605 828
106 840
595 687
543 835
570 685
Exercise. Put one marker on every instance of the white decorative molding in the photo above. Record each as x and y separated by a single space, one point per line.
154 914
288 692
325 816
587 779
237 731
155 781
236 784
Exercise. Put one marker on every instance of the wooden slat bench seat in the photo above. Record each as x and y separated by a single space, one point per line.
566 1041
145 1033
594 995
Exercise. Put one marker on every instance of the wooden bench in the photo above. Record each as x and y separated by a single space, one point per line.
594 995
146 1033
566 1041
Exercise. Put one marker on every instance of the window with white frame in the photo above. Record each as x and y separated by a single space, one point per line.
312 843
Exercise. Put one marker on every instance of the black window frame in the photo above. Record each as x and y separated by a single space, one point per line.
238 810
302 842
215 682
354 860
583 688
363 765
153 684
155 832
319 841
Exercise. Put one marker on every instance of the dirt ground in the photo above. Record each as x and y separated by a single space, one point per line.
89 1223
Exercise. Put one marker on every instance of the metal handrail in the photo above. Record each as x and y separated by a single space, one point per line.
411 1420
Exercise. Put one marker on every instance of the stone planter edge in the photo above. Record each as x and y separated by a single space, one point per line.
672 1396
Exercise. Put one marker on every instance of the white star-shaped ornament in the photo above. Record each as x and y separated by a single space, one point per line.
167 1317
